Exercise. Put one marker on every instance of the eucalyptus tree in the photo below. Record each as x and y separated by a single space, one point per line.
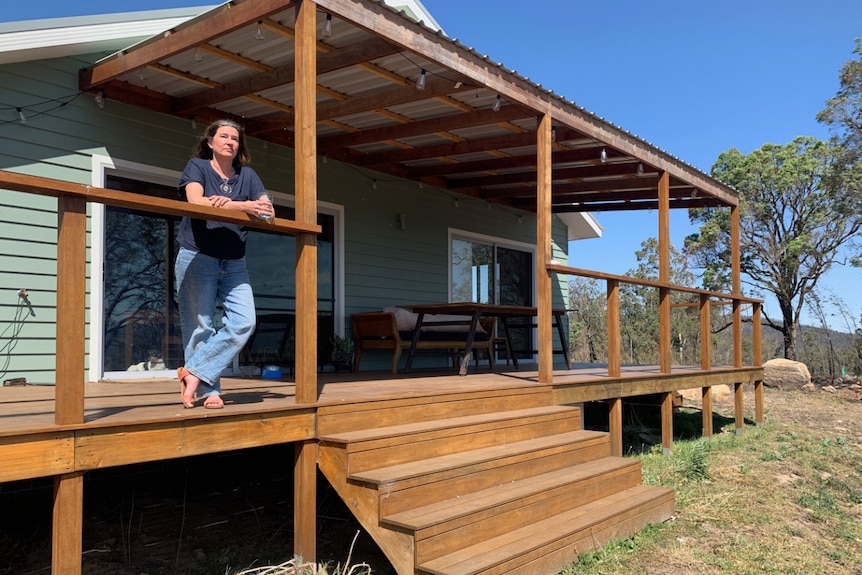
799 211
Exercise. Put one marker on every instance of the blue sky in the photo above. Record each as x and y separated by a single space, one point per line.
693 78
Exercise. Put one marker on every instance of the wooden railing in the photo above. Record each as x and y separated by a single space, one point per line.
706 300
72 202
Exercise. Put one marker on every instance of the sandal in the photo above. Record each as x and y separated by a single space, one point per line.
213 402
182 373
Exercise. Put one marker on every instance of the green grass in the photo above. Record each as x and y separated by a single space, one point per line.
778 499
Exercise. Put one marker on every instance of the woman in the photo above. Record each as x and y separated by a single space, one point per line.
210 266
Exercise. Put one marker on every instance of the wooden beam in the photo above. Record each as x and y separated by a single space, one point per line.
422 127
664 272
305 463
543 251
739 407
284 75
614 332
615 425
706 411
667 423
757 359
705 332
71 303
220 21
68 524
306 203
450 149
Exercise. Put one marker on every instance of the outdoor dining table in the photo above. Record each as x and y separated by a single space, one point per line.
474 311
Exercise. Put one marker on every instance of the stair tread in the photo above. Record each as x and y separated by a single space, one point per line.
374 433
519 542
431 465
450 509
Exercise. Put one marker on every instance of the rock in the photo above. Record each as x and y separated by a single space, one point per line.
809 387
785 374
829 389
719 393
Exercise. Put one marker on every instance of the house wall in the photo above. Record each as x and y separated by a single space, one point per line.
384 264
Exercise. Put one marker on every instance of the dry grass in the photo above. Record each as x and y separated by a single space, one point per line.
783 498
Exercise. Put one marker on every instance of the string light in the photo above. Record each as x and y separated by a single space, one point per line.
373 184
199 56
420 83
21 117
640 169
99 98
553 133
327 26
497 104
259 33
30 111
142 74
603 157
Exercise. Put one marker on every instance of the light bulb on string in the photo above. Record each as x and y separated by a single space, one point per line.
603 157
640 169
21 117
420 83
259 32
99 98
497 104
327 26
199 56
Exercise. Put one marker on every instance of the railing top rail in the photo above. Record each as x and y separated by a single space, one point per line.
59 188
561 269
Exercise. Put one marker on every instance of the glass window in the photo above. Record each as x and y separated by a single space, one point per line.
486 272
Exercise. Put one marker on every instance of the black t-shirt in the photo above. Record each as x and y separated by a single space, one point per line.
217 239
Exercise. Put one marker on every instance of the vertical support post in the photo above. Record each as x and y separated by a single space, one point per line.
706 411
757 359
305 464
736 281
543 250
664 271
664 322
615 425
68 513
706 362
71 303
306 200
614 332
667 423
68 510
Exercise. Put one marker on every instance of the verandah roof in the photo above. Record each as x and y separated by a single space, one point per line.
237 60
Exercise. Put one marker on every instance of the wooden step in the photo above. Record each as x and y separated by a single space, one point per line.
339 418
446 526
418 483
558 539
388 446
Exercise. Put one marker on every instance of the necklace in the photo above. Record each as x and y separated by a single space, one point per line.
225 187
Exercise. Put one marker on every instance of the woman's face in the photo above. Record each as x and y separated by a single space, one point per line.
225 143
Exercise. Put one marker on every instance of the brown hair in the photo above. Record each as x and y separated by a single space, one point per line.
202 150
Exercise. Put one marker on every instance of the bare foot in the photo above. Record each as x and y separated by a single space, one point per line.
188 385
213 402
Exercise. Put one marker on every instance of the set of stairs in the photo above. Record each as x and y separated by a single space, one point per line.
489 483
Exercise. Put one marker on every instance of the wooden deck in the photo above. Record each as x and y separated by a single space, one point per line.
133 421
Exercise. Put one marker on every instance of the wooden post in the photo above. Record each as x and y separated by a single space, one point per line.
543 251
667 423
706 362
664 323
614 337
68 512
305 464
757 359
71 303
664 272
615 425
736 280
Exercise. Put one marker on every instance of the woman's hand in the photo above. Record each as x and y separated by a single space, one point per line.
261 208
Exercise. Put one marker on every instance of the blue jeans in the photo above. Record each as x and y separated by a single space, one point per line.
202 282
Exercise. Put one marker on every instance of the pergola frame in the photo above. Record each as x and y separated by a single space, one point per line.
353 97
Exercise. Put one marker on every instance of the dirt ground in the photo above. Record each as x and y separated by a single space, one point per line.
222 514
